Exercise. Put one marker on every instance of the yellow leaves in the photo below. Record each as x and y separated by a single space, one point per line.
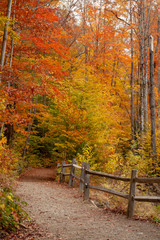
66 66
3 21
65 146
87 154
2 206
8 160
9 197
2 104
14 35
3 141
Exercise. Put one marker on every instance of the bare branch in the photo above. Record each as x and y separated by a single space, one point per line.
121 19
43 5
73 4
116 15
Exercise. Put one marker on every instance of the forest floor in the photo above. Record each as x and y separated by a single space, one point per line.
59 213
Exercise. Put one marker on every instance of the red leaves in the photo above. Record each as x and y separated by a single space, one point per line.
47 15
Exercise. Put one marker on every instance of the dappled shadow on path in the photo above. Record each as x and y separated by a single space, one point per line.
38 175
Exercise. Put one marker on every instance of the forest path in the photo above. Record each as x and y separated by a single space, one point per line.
61 213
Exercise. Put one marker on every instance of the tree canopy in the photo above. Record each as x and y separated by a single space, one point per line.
80 79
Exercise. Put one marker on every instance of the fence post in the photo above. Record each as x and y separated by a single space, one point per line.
132 193
57 173
86 182
74 172
81 185
62 176
71 178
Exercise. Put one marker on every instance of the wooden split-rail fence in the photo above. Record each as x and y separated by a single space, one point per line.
85 185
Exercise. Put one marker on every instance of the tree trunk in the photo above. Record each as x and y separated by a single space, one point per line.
29 131
146 34
84 32
9 127
158 52
131 81
4 43
152 101
141 32
145 86
159 86
3 51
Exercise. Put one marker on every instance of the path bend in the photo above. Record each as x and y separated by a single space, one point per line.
61 212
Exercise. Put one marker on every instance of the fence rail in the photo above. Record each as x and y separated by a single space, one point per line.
147 180
85 185
120 194
108 175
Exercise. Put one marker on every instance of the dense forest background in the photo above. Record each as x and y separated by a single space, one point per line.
80 78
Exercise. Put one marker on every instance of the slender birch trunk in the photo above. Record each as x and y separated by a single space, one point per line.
4 43
9 127
141 32
84 32
98 29
3 51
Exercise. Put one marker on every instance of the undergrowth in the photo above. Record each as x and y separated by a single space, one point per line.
143 210
11 211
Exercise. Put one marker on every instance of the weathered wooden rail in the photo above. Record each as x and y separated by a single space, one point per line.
85 185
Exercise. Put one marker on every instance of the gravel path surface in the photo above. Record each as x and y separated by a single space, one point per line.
62 214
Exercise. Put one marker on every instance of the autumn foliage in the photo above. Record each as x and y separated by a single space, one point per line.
73 84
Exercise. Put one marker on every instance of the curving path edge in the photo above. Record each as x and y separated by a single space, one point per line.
63 215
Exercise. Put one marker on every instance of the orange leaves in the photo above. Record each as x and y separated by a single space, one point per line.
69 95
47 14
8 160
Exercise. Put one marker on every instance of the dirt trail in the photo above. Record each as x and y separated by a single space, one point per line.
62 215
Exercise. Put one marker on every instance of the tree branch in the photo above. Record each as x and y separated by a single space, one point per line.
43 5
121 19
116 15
